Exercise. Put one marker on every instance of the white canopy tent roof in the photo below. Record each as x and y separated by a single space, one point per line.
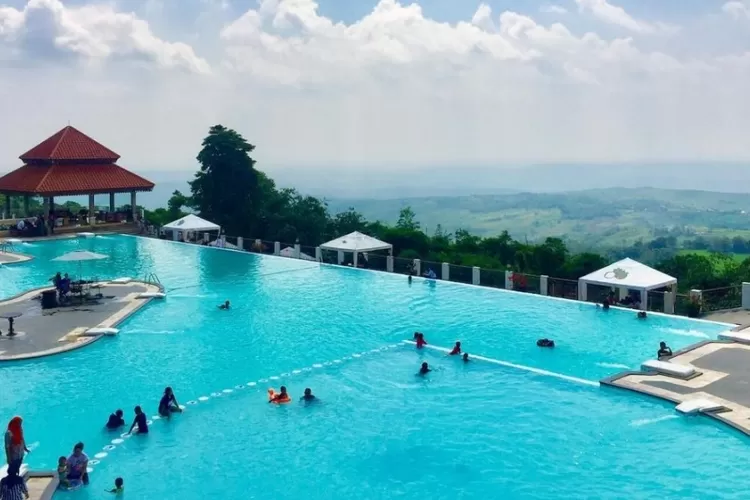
289 252
356 243
627 274
191 222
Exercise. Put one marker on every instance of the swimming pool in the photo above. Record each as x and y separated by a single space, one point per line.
380 432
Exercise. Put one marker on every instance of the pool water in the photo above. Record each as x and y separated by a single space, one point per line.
380 432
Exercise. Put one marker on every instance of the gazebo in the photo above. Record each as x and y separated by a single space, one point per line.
70 163
627 274
191 223
356 243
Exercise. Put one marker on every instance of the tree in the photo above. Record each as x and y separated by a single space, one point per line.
175 204
226 188
407 219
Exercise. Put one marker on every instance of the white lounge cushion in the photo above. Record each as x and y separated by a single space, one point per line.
121 281
666 368
739 337
102 331
151 295
698 405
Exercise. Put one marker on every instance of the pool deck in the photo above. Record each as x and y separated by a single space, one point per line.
53 331
723 377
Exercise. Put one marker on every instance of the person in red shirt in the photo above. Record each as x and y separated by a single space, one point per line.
420 340
456 349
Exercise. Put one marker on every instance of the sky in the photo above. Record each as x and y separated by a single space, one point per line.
373 86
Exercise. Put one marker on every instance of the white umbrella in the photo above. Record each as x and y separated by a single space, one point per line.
79 256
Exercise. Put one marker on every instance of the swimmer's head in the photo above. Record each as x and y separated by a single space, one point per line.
62 461
458 344
466 356
118 413
226 303
308 392
283 389
138 410
663 345
425 365
167 390
78 449
118 482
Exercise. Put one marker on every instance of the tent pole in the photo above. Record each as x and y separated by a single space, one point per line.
644 299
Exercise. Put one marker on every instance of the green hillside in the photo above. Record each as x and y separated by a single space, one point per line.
603 217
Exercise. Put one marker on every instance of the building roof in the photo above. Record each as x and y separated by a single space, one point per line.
628 273
68 180
69 144
356 242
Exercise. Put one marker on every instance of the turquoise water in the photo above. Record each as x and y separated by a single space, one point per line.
380 432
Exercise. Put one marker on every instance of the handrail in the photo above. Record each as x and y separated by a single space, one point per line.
152 278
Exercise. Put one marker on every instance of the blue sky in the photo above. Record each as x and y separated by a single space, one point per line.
382 84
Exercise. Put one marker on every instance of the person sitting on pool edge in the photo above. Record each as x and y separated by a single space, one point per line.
424 369
281 397
545 343
140 421
456 349
308 396
664 351
225 306
168 404
115 420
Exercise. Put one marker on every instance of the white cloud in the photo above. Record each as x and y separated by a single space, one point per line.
47 28
393 88
552 9
616 15
737 9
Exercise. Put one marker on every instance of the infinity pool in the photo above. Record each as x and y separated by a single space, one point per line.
380 431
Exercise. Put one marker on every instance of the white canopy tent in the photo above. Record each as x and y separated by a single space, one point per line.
191 223
357 243
626 274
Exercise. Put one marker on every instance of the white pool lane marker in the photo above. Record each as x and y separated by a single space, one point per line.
508 364
98 457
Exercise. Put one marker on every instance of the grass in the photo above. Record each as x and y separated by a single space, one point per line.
738 257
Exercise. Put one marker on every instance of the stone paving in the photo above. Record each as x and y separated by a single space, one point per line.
724 378
51 331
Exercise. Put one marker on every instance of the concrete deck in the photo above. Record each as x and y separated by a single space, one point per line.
10 257
733 316
52 331
724 379
42 485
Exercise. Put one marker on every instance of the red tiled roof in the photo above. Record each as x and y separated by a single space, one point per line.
58 180
69 144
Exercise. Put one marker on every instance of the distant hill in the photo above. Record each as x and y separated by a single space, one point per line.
598 217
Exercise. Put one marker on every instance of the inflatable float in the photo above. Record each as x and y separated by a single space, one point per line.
272 394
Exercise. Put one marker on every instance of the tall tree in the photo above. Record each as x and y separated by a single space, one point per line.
225 189
407 219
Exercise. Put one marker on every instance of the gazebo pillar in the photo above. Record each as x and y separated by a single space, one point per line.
92 208
26 199
111 203
133 208
644 299
6 210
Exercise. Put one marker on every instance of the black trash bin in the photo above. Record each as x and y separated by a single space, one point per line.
49 299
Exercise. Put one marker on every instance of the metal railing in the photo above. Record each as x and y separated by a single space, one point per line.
719 299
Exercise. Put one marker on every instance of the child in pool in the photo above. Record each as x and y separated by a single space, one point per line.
119 488
62 472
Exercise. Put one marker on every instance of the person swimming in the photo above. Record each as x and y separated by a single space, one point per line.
545 343
308 397
225 305
168 403
140 421
424 369
115 420
419 339
281 397
465 357
62 472
456 349
410 278
430 274
664 351
642 315
119 488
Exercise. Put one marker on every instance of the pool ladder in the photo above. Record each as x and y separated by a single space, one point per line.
152 278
